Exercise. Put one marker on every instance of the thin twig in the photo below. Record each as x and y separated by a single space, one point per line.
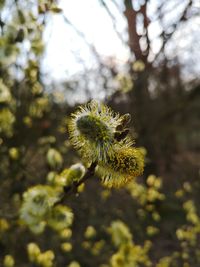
88 174
73 187
83 37
113 19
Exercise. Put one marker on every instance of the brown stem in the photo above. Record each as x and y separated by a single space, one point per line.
88 174
73 187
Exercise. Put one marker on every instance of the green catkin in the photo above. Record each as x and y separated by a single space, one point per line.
92 131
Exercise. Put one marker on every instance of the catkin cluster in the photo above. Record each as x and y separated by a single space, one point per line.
100 135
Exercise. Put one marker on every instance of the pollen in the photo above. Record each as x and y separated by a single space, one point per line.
124 166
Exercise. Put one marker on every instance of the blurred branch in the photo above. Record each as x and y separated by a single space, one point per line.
117 6
83 37
113 20
167 36
162 13
134 38
102 65
2 24
143 10
128 4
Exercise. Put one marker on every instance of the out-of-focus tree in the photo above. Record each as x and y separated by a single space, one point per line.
152 221
159 82
159 95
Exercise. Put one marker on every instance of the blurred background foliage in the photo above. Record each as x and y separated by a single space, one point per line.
153 221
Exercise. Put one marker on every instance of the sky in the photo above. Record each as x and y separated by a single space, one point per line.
67 51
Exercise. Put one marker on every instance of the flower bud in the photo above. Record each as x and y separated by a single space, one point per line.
33 251
54 158
8 261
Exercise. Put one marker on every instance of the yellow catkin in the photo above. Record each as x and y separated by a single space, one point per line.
125 164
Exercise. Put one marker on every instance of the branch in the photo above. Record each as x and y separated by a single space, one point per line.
113 20
167 36
88 174
83 37
134 37
143 10
73 187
